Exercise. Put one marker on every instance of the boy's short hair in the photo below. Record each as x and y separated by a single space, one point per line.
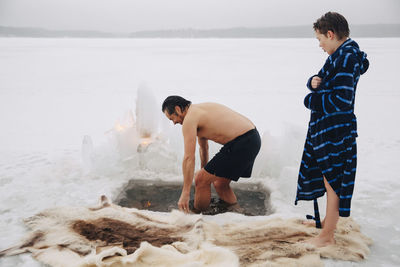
334 22
172 101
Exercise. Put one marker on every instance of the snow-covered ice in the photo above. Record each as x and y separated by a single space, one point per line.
75 112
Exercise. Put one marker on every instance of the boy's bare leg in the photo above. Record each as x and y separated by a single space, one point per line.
327 235
224 191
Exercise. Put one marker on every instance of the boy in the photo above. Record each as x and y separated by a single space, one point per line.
329 158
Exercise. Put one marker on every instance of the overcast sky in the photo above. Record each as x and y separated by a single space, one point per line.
136 15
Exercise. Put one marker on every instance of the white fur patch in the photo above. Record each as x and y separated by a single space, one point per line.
110 235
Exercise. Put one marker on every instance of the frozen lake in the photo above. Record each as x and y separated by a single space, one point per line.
54 92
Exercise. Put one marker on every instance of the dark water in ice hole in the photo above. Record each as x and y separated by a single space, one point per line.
163 196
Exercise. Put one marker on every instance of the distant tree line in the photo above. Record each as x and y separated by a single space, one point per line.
373 30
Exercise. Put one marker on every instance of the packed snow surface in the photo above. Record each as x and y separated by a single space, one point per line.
81 117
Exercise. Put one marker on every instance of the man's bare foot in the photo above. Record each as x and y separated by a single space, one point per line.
321 241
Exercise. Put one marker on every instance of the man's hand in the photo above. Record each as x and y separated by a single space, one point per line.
183 203
315 82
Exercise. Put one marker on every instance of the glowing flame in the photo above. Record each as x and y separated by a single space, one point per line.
148 203
146 141
119 127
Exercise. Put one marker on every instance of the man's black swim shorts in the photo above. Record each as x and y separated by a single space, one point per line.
236 158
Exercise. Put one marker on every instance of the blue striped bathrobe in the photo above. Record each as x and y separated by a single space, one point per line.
330 148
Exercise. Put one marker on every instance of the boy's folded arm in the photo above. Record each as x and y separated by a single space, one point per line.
309 86
320 75
340 97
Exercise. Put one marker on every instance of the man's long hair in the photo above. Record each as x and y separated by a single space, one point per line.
172 101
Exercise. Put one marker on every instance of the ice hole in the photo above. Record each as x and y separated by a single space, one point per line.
253 199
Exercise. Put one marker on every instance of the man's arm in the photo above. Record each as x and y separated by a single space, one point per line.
189 130
203 143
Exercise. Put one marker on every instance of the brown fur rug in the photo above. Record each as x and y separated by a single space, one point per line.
110 235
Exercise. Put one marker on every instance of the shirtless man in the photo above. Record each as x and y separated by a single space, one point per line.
210 121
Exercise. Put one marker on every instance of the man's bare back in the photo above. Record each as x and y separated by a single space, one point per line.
217 122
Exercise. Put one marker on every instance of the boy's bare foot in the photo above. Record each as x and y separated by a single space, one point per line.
321 241
312 223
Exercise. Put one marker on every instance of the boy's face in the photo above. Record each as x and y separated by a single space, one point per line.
327 42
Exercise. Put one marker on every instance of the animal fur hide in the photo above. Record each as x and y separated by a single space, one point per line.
110 235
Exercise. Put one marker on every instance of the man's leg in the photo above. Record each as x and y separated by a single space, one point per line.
202 195
326 237
224 191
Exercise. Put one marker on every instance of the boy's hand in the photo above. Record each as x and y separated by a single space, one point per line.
315 82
